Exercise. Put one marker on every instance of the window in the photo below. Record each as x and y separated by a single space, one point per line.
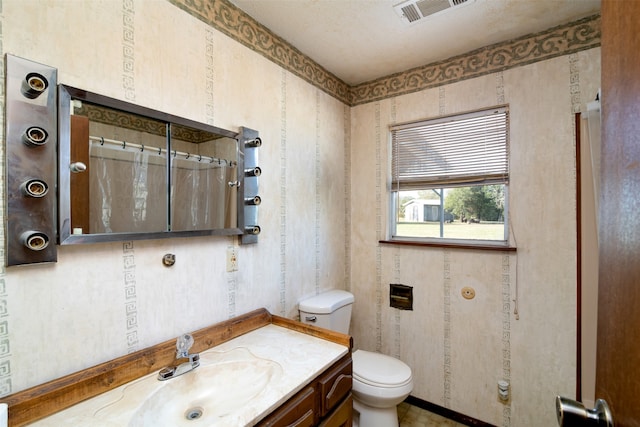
450 178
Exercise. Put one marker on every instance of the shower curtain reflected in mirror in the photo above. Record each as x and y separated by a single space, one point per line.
128 189
201 197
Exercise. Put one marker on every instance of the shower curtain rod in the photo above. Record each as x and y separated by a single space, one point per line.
198 157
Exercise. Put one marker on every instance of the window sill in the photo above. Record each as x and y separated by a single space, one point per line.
450 245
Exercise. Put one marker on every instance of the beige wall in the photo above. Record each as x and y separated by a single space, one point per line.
458 349
101 301
322 161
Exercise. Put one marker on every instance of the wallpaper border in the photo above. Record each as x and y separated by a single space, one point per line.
557 41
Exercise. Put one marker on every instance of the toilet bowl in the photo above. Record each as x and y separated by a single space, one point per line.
380 382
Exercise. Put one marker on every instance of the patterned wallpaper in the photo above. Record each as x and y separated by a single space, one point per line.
236 24
6 385
562 40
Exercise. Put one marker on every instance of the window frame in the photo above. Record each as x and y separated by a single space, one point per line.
394 192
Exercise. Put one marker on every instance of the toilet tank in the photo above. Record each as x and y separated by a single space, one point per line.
329 310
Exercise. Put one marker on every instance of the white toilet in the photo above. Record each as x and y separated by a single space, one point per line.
380 382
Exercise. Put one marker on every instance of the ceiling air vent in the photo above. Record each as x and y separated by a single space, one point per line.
414 10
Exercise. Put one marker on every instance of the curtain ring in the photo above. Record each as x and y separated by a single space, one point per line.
213 159
188 155
102 140
159 151
175 153
142 148
124 144
200 157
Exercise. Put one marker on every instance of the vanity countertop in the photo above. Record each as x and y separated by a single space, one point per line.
298 357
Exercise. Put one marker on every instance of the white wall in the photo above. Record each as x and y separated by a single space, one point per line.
102 301
458 349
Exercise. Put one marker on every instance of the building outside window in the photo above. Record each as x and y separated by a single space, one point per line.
450 178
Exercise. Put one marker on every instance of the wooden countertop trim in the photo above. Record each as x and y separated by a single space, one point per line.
315 331
46 399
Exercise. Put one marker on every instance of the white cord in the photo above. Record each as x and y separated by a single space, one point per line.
515 300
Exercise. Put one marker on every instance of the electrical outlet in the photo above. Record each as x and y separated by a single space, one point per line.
232 258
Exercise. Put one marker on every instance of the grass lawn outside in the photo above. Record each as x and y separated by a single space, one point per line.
453 230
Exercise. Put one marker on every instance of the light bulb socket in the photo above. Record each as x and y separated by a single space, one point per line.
252 229
253 171
34 188
34 85
34 240
255 142
35 136
252 201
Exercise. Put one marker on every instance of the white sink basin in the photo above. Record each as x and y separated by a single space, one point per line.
209 395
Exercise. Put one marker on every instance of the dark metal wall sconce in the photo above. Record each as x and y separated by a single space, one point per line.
248 212
31 161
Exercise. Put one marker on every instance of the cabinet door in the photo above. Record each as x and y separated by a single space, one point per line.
342 416
299 411
335 385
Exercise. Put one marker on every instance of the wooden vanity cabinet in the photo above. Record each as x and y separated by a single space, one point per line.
342 416
299 411
325 402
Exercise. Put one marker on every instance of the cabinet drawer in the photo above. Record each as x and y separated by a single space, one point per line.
335 385
299 411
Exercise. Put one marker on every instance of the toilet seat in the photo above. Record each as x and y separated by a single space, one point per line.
380 370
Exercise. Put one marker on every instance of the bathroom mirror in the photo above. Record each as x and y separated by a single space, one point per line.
127 172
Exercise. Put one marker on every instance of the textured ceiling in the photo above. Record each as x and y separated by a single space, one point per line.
361 40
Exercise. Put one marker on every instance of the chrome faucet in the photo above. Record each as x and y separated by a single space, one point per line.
184 362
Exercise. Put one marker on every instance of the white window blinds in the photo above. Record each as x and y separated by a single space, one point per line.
450 151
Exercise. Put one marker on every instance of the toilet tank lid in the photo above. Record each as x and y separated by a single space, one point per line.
326 302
